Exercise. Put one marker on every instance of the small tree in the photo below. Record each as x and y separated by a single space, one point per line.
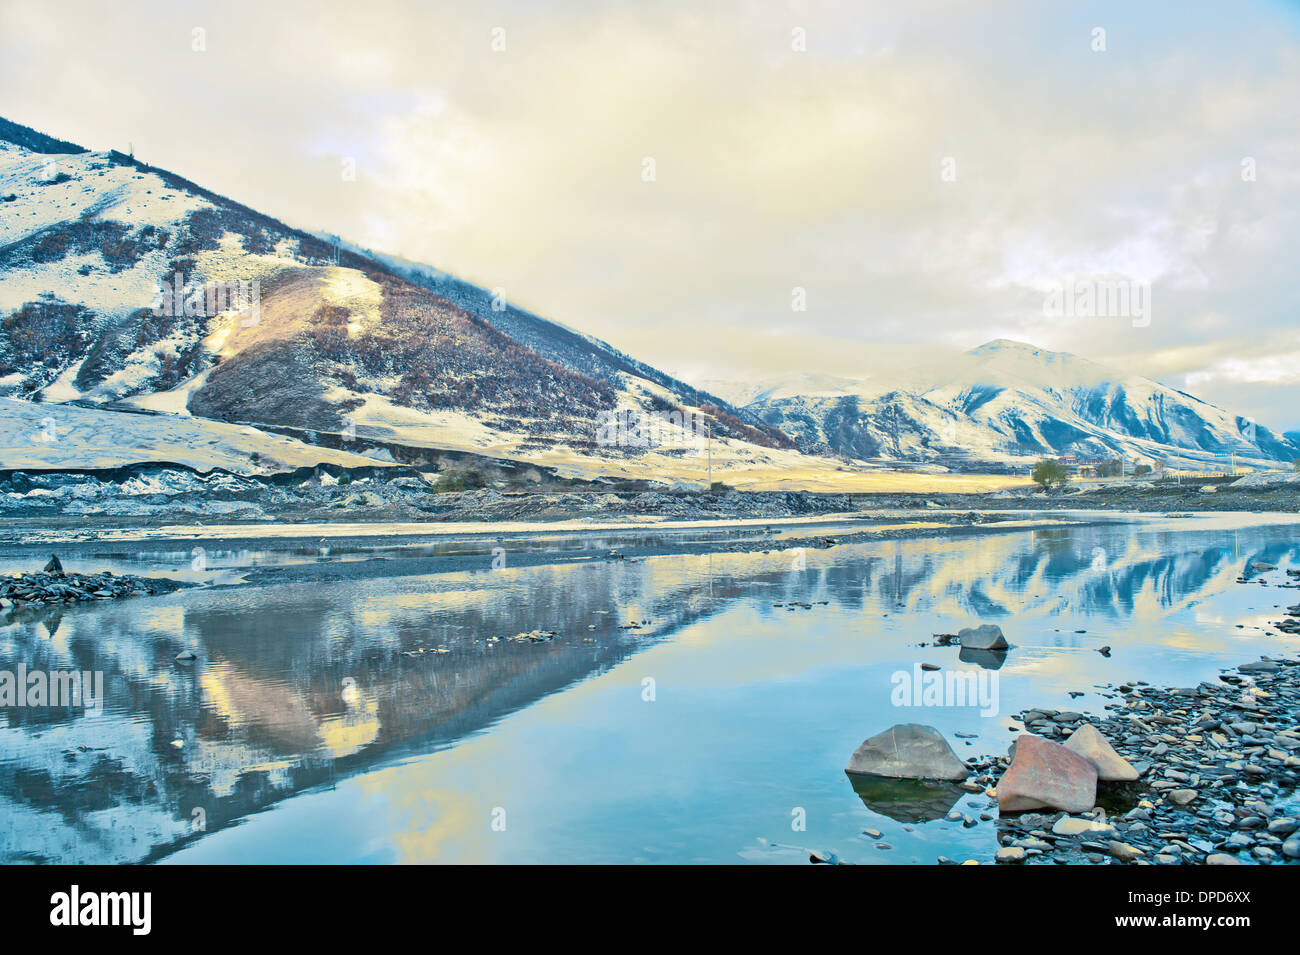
1048 472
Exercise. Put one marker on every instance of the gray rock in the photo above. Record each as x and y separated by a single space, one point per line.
1125 852
1259 666
1071 826
907 751
987 636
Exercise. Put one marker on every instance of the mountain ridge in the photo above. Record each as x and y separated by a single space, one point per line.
345 339
1008 402
339 340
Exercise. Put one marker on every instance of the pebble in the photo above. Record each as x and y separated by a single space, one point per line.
1125 852
1214 761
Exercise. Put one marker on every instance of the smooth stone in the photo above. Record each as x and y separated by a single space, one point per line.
1125 852
1044 774
1222 858
907 751
1259 666
1032 843
1181 797
1071 826
987 636
1010 854
1088 742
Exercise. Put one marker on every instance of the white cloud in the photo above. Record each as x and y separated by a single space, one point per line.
1272 370
776 168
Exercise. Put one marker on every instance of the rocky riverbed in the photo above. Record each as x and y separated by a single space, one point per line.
1216 769
1167 776
57 588
162 493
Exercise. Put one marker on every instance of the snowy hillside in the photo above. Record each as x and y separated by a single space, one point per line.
552 340
49 436
1010 402
802 384
126 285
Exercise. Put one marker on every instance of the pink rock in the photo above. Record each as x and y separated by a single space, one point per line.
1044 774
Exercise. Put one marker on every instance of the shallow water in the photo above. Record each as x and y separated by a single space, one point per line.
320 724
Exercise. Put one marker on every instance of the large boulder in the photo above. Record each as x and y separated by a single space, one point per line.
987 636
907 751
1092 746
1046 775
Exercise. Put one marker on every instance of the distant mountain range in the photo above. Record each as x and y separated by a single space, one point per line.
1008 402
264 324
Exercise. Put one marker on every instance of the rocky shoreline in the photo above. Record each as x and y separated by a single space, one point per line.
1216 766
57 588
1167 776
1202 775
175 494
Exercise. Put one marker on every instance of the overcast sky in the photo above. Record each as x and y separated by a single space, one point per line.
926 172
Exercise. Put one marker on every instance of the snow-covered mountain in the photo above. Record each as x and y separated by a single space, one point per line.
804 384
1010 402
125 286
266 325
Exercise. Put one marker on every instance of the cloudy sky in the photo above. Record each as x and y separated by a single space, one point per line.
927 173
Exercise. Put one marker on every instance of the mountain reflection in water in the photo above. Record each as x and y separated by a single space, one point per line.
298 687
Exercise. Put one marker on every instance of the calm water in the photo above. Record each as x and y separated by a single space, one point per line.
320 724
